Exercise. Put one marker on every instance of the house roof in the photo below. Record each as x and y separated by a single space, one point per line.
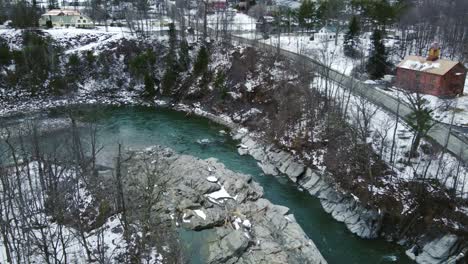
62 12
417 63
288 3
330 29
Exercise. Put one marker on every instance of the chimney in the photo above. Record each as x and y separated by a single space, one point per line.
434 52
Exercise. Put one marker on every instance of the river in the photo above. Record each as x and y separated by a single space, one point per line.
139 127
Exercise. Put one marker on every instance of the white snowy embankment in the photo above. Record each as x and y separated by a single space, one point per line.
109 237
444 108
382 128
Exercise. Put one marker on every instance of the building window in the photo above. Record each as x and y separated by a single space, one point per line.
84 21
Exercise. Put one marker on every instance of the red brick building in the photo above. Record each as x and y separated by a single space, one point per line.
215 5
440 77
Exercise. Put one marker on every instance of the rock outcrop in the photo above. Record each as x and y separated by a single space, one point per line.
438 250
346 208
203 194
343 207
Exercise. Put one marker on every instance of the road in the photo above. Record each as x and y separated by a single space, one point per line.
442 134
457 142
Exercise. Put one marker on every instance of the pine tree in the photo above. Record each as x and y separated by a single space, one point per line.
170 75
169 80
377 63
202 61
306 14
351 38
5 55
170 57
73 66
184 56
149 86
90 59
219 84
23 15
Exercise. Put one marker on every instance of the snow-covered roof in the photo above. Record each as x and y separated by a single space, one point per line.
417 63
62 12
328 29
288 3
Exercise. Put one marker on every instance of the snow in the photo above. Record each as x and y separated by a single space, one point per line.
200 213
383 126
444 108
325 52
246 223
237 223
219 195
236 21
109 237
419 66
212 179
185 218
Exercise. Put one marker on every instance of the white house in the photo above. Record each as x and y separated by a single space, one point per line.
65 18
327 33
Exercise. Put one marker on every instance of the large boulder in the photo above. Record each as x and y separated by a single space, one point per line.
231 247
438 250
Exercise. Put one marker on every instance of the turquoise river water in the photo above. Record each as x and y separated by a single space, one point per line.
139 127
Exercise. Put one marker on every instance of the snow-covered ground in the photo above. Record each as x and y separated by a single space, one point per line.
383 126
444 108
31 234
236 21
325 52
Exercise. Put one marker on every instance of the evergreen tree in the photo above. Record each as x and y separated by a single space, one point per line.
329 9
170 75
142 63
90 59
3 12
377 63
184 56
169 80
202 61
219 84
171 55
172 36
306 14
37 59
5 54
351 38
149 86
420 120
24 15
381 12
73 68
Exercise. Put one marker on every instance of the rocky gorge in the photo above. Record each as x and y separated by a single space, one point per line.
361 219
343 206
204 195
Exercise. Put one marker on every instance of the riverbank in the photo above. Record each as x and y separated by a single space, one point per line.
344 207
256 100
